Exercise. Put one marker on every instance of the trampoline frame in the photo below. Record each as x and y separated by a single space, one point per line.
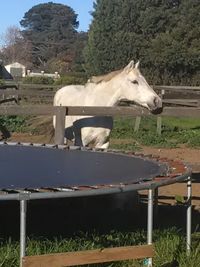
152 187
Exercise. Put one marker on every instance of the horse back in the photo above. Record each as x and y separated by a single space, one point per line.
69 95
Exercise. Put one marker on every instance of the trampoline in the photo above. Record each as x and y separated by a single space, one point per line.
38 171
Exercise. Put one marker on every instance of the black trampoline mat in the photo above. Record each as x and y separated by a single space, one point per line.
29 167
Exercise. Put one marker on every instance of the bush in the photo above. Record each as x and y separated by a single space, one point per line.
38 80
72 78
13 123
2 82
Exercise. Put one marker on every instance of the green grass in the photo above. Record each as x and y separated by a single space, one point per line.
181 123
14 123
175 131
169 245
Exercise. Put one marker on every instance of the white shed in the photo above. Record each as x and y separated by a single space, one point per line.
16 69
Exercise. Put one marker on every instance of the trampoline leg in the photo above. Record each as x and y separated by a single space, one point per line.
150 222
189 214
23 207
156 204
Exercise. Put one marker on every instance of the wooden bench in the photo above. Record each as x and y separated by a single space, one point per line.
89 256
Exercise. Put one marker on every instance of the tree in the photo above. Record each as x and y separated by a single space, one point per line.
51 29
176 52
15 47
70 60
164 35
78 60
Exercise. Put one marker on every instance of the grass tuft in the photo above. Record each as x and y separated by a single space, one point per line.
169 244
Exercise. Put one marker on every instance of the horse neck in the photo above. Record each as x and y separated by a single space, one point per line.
105 94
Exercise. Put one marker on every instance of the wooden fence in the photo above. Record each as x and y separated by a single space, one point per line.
61 112
42 91
178 107
173 95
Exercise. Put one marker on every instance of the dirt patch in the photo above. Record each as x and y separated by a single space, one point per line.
188 155
185 154
30 138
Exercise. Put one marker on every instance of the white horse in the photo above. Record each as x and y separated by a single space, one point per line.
107 90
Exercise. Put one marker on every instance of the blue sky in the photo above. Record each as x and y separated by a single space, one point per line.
12 11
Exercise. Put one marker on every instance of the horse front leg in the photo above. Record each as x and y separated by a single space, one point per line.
77 136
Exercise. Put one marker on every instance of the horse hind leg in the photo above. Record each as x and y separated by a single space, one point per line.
103 143
89 136
103 146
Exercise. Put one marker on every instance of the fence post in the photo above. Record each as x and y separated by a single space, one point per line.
159 125
137 123
159 118
60 114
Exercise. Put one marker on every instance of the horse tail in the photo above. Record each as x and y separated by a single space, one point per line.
52 134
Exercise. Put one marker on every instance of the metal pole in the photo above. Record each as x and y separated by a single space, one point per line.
156 205
23 208
189 214
150 222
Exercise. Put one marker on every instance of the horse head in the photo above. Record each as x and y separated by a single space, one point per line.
134 87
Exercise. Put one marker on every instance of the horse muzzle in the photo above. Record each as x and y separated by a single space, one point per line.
156 106
157 111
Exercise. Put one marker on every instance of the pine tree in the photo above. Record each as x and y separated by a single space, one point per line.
50 28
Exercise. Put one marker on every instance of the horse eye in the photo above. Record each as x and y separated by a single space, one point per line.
135 82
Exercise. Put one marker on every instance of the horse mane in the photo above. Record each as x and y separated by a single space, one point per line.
104 78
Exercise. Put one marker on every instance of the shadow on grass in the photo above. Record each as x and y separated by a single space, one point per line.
66 217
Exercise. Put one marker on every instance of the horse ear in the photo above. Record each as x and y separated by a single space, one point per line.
130 66
137 64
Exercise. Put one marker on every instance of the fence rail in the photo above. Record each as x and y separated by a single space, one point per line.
31 92
191 98
177 88
22 86
61 112
97 111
